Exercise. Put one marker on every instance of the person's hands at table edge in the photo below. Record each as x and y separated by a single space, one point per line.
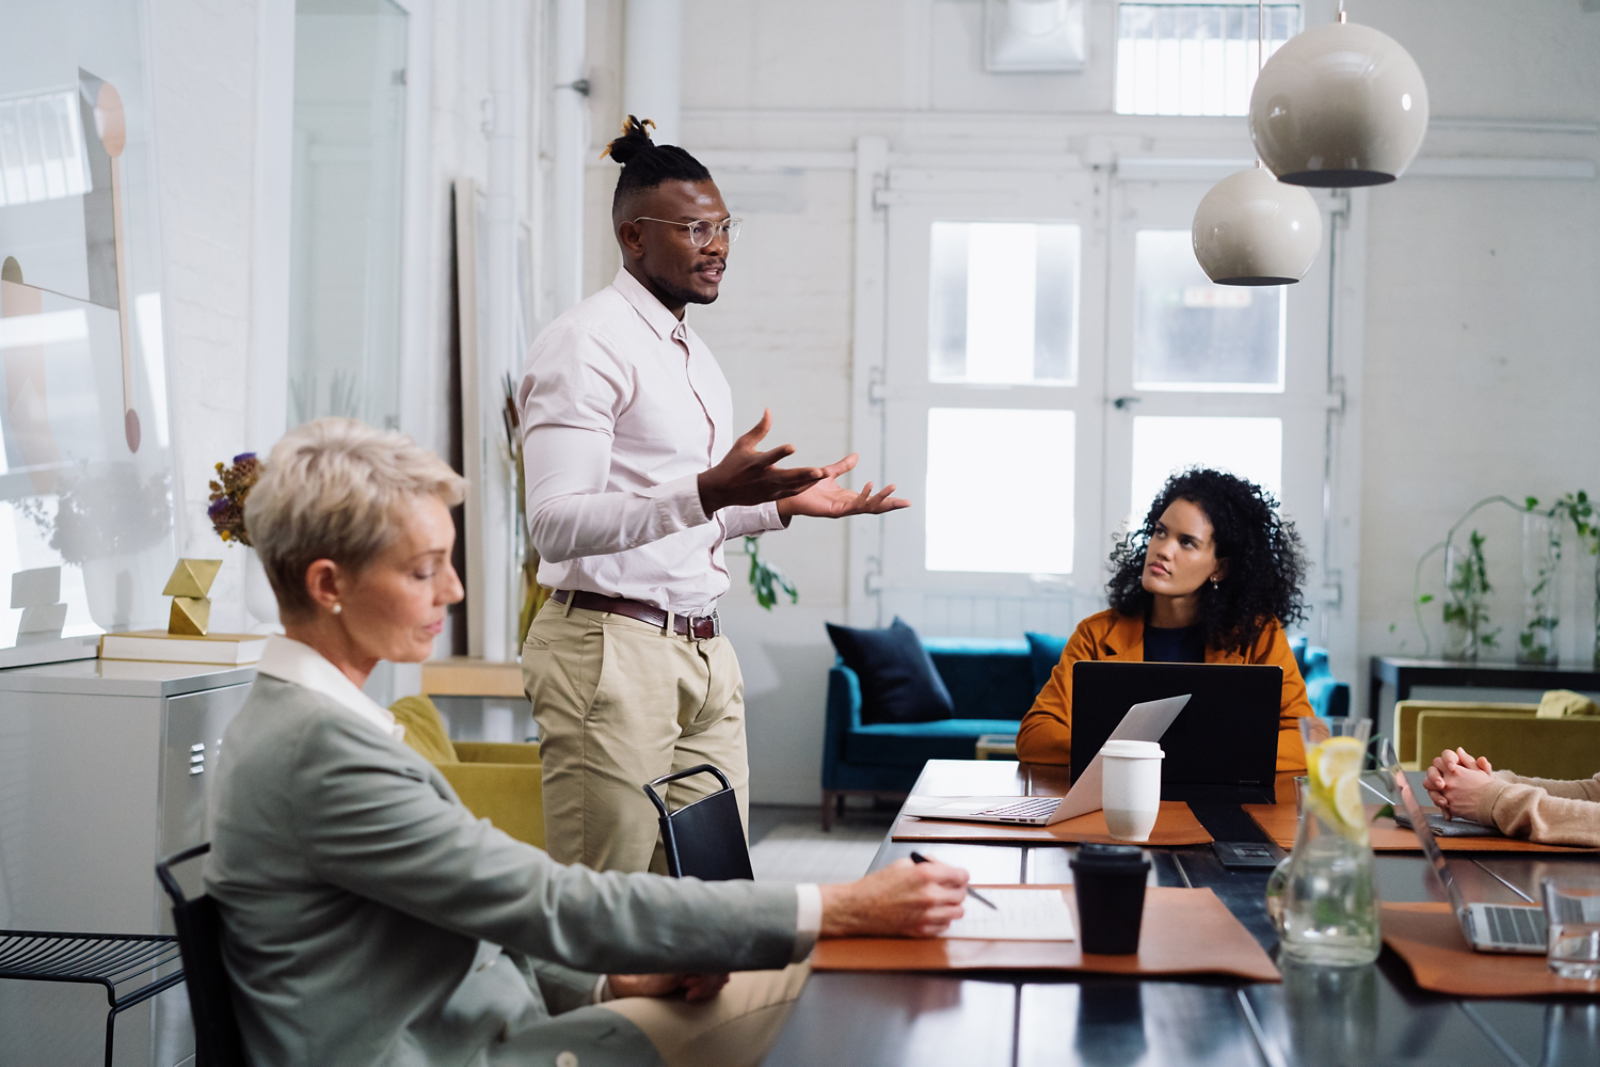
747 476
1455 783
693 986
827 499
904 899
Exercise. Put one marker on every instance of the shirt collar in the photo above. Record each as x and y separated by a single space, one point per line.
293 661
666 325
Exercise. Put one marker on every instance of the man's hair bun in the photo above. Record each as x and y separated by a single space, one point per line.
634 142
646 164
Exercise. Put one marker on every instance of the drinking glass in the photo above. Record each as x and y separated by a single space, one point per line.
1572 918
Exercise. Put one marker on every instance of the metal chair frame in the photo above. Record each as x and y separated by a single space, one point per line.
217 1042
107 960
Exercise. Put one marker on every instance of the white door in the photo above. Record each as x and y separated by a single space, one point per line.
1052 352
991 398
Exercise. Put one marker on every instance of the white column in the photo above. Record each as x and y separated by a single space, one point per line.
652 65
267 403
570 135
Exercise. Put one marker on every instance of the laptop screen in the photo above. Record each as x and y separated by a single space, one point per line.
1424 832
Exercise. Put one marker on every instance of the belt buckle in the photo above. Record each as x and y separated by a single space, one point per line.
713 621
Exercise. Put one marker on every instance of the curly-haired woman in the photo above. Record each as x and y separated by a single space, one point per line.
1212 576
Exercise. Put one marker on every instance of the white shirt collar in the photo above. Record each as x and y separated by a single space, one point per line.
655 314
293 661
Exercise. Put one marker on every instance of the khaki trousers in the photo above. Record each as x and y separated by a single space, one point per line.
735 1028
619 703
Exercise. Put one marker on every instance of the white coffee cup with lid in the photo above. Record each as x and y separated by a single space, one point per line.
1130 789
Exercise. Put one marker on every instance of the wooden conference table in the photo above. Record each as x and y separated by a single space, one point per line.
1355 1016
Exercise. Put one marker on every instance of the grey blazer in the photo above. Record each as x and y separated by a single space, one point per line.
363 907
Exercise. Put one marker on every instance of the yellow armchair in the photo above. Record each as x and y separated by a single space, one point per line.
1406 713
499 782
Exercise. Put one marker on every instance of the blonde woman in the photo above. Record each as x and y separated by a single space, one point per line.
369 918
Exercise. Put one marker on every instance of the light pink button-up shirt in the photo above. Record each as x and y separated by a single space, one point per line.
622 407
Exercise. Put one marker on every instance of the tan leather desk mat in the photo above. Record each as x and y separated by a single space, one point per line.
1279 823
1184 931
1175 825
1428 938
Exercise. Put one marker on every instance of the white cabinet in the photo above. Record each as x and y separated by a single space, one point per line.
104 768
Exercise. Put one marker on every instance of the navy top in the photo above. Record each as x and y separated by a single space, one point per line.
1181 644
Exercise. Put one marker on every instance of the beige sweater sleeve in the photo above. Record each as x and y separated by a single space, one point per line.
1549 812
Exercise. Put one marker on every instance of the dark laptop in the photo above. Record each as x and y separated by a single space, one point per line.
1223 746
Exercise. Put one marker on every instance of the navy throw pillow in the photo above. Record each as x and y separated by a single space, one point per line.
1045 652
898 679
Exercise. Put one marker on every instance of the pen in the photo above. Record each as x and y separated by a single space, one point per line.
917 857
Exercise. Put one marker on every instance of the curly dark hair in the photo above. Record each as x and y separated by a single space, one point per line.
1266 557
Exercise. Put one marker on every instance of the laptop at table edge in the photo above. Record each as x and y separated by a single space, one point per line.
1473 918
1141 722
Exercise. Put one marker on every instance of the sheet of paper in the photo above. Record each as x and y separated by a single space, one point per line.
1018 915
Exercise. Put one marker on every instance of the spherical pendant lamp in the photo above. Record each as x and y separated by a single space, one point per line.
1251 229
1339 106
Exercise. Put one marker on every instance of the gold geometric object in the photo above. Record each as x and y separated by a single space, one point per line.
192 578
191 616
191 608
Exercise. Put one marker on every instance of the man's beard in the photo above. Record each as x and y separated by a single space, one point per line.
676 294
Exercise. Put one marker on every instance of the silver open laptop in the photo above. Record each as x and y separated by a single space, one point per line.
1143 722
1487 927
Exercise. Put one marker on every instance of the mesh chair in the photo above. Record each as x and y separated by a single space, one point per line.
199 925
107 960
705 839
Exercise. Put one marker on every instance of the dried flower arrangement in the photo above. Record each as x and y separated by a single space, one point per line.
228 493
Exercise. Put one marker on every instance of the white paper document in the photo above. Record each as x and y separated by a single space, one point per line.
1018 915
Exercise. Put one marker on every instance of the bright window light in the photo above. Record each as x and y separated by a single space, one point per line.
41 148
1181 58
1195 337
1000 490
46 328
1251 448
1003 303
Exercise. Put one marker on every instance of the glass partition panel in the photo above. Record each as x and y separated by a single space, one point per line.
1000 490
344 278
1003 303
1193 336
86 468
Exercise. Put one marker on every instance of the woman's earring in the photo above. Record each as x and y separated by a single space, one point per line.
340 607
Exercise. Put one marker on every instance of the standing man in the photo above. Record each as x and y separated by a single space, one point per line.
635 480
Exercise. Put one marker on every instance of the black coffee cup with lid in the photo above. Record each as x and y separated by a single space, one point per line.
1108 881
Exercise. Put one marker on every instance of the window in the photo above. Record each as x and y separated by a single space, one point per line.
1252 448
41 148
1193 336
1194 59
1000 490
1003 303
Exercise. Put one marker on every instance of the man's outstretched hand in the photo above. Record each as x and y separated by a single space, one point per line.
747 476
827 499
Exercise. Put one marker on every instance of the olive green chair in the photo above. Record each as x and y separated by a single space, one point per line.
1511 736
499 782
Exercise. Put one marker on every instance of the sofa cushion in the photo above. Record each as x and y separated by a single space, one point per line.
898 681
988 678
1045 649
912 744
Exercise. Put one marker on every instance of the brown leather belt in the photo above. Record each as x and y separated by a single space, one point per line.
697 626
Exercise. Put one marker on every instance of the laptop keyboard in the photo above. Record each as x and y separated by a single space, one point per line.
1029 808
1515 926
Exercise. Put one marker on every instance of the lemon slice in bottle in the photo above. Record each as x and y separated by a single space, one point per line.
1333 759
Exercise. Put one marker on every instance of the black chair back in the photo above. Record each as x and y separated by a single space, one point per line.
705 839
199 925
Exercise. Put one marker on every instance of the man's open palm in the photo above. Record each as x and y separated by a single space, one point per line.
827 499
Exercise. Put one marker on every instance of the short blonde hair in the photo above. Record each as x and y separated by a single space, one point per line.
332 489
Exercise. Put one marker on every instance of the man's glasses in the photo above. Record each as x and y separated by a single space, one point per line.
701 231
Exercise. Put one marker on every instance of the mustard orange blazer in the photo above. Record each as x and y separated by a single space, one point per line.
1046 732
